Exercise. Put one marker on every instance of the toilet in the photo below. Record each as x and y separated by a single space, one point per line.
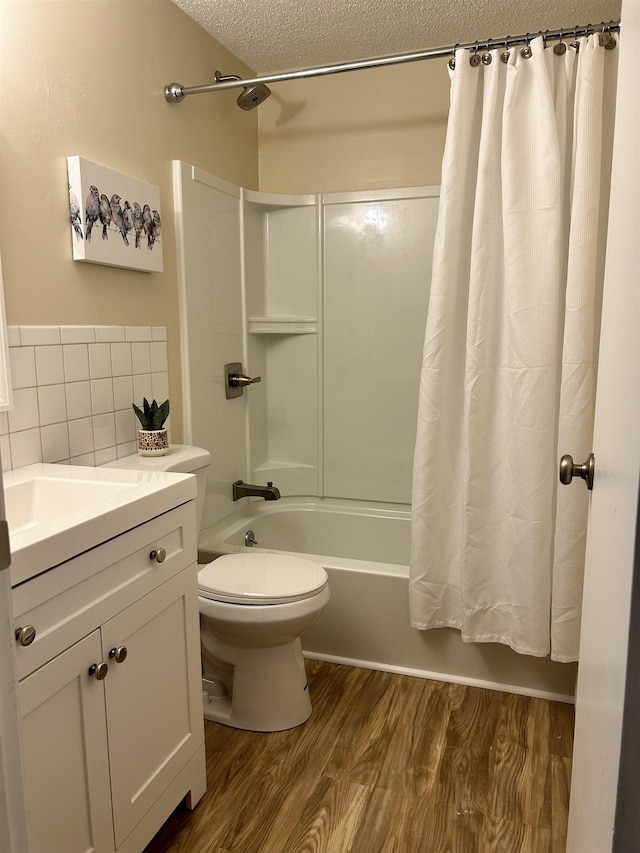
253 609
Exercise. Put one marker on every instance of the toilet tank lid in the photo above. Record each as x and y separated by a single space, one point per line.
181 458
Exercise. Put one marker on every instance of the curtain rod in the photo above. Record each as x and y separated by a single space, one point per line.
174 92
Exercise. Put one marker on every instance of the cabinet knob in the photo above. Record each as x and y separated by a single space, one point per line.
159 555
99 670
119 653
26 635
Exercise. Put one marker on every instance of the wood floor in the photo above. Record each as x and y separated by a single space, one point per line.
387 764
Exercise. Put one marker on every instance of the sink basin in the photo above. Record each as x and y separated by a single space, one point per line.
44 499
55 512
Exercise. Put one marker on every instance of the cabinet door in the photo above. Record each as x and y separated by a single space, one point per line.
64 736
153 697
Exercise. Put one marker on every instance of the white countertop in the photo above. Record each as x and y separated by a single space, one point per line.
58 511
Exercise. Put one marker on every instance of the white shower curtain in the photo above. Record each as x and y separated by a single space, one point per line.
509 365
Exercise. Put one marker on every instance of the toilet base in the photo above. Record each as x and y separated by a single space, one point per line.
269 692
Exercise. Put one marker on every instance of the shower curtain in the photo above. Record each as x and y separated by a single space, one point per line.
509 363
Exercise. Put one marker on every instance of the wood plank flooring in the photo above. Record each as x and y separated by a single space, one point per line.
387 764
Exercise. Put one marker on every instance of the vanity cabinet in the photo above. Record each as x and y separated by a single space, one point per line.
110 690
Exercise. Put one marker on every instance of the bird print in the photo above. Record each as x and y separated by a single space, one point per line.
147 223
117 217
138 222
156 228
74 214
91 211
105 215
127 216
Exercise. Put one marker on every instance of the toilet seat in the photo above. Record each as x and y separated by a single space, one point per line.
261 579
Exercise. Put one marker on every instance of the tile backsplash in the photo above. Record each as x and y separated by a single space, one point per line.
73 387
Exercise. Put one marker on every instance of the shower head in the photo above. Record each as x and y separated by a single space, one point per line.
251 96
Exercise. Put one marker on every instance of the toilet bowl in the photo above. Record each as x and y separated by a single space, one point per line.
253 609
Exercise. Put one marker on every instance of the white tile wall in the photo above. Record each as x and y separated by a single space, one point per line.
73 390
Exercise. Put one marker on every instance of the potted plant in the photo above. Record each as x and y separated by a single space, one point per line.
152 437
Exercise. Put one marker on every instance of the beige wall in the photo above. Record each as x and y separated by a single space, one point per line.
371 129
87 78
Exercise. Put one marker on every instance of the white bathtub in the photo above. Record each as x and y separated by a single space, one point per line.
365 550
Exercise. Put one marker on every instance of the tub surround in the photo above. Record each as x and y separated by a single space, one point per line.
73 387
335 284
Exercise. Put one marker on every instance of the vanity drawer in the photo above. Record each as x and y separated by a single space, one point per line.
69 601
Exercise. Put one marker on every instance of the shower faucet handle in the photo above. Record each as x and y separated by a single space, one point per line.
239 379
235 379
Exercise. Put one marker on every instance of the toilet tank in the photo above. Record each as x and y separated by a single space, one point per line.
181 458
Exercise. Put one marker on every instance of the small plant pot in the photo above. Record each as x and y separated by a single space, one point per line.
153 442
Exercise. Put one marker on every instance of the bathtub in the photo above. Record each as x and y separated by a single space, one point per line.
365 551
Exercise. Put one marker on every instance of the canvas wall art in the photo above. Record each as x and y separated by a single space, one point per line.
115 219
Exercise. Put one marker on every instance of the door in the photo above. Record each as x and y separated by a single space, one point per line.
612 519
14 833
66 764
153 696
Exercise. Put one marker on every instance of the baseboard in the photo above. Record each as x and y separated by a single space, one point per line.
443 676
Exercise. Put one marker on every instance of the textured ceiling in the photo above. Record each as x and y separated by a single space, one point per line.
276 35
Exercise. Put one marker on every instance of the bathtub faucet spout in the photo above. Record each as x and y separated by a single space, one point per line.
245 490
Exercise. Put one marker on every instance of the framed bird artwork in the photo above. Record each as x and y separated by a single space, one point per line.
114 219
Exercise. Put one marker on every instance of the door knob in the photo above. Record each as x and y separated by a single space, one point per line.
569 470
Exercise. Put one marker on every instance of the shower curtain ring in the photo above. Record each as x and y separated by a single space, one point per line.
604 38
474 59
575 44
452 61
560 49
504 56
611 42
526 52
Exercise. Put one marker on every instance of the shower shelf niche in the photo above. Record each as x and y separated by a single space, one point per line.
296 476
277 201
282 273
282 326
